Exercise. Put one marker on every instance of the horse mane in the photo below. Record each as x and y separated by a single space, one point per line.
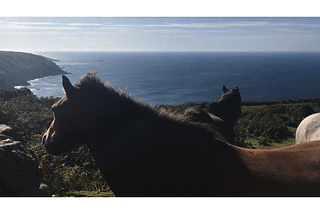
90 81
92 85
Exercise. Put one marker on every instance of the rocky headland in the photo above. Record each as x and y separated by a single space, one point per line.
16 68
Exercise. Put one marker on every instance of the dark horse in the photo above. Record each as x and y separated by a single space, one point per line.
222 115
143 153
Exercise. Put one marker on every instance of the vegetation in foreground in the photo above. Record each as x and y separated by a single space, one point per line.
264 125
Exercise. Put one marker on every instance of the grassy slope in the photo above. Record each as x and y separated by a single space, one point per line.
16 68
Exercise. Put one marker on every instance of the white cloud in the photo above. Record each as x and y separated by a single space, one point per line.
45 26
126 33
32 23
229 25
84 24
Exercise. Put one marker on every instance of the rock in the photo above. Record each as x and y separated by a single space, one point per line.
20 174
4 129
44 190
6 132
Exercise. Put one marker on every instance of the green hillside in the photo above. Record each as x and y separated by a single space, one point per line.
16 68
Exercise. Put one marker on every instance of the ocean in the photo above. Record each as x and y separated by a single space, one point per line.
179 77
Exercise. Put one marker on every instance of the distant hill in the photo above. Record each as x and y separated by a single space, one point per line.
16 68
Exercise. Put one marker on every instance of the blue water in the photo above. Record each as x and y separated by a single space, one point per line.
175 78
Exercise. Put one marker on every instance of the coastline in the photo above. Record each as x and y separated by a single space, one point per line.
17 68
29 84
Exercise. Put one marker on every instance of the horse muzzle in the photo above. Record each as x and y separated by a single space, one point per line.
49 144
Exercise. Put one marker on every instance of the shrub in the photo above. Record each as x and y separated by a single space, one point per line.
262 125
30 116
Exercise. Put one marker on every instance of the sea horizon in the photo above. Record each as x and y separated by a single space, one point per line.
180 77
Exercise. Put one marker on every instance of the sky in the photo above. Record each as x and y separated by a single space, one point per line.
188 33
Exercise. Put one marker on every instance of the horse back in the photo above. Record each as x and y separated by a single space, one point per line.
289 171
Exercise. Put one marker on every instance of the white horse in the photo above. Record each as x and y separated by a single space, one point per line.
309 129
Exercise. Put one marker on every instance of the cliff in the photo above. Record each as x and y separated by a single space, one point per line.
16 68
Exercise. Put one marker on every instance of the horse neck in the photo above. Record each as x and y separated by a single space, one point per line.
135 131
225 110
110 130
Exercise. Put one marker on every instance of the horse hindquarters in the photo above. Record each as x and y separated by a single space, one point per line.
308 129
289 171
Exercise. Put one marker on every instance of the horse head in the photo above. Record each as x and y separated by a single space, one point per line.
231 94
228 108
66 130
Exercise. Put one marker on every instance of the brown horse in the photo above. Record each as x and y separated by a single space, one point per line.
143 153
222 115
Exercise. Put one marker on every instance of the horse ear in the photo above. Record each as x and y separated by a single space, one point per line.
224 89
68 88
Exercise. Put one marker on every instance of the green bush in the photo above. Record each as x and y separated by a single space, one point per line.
261 125
30 116
273 123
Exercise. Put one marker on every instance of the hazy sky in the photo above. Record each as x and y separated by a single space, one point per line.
159 34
